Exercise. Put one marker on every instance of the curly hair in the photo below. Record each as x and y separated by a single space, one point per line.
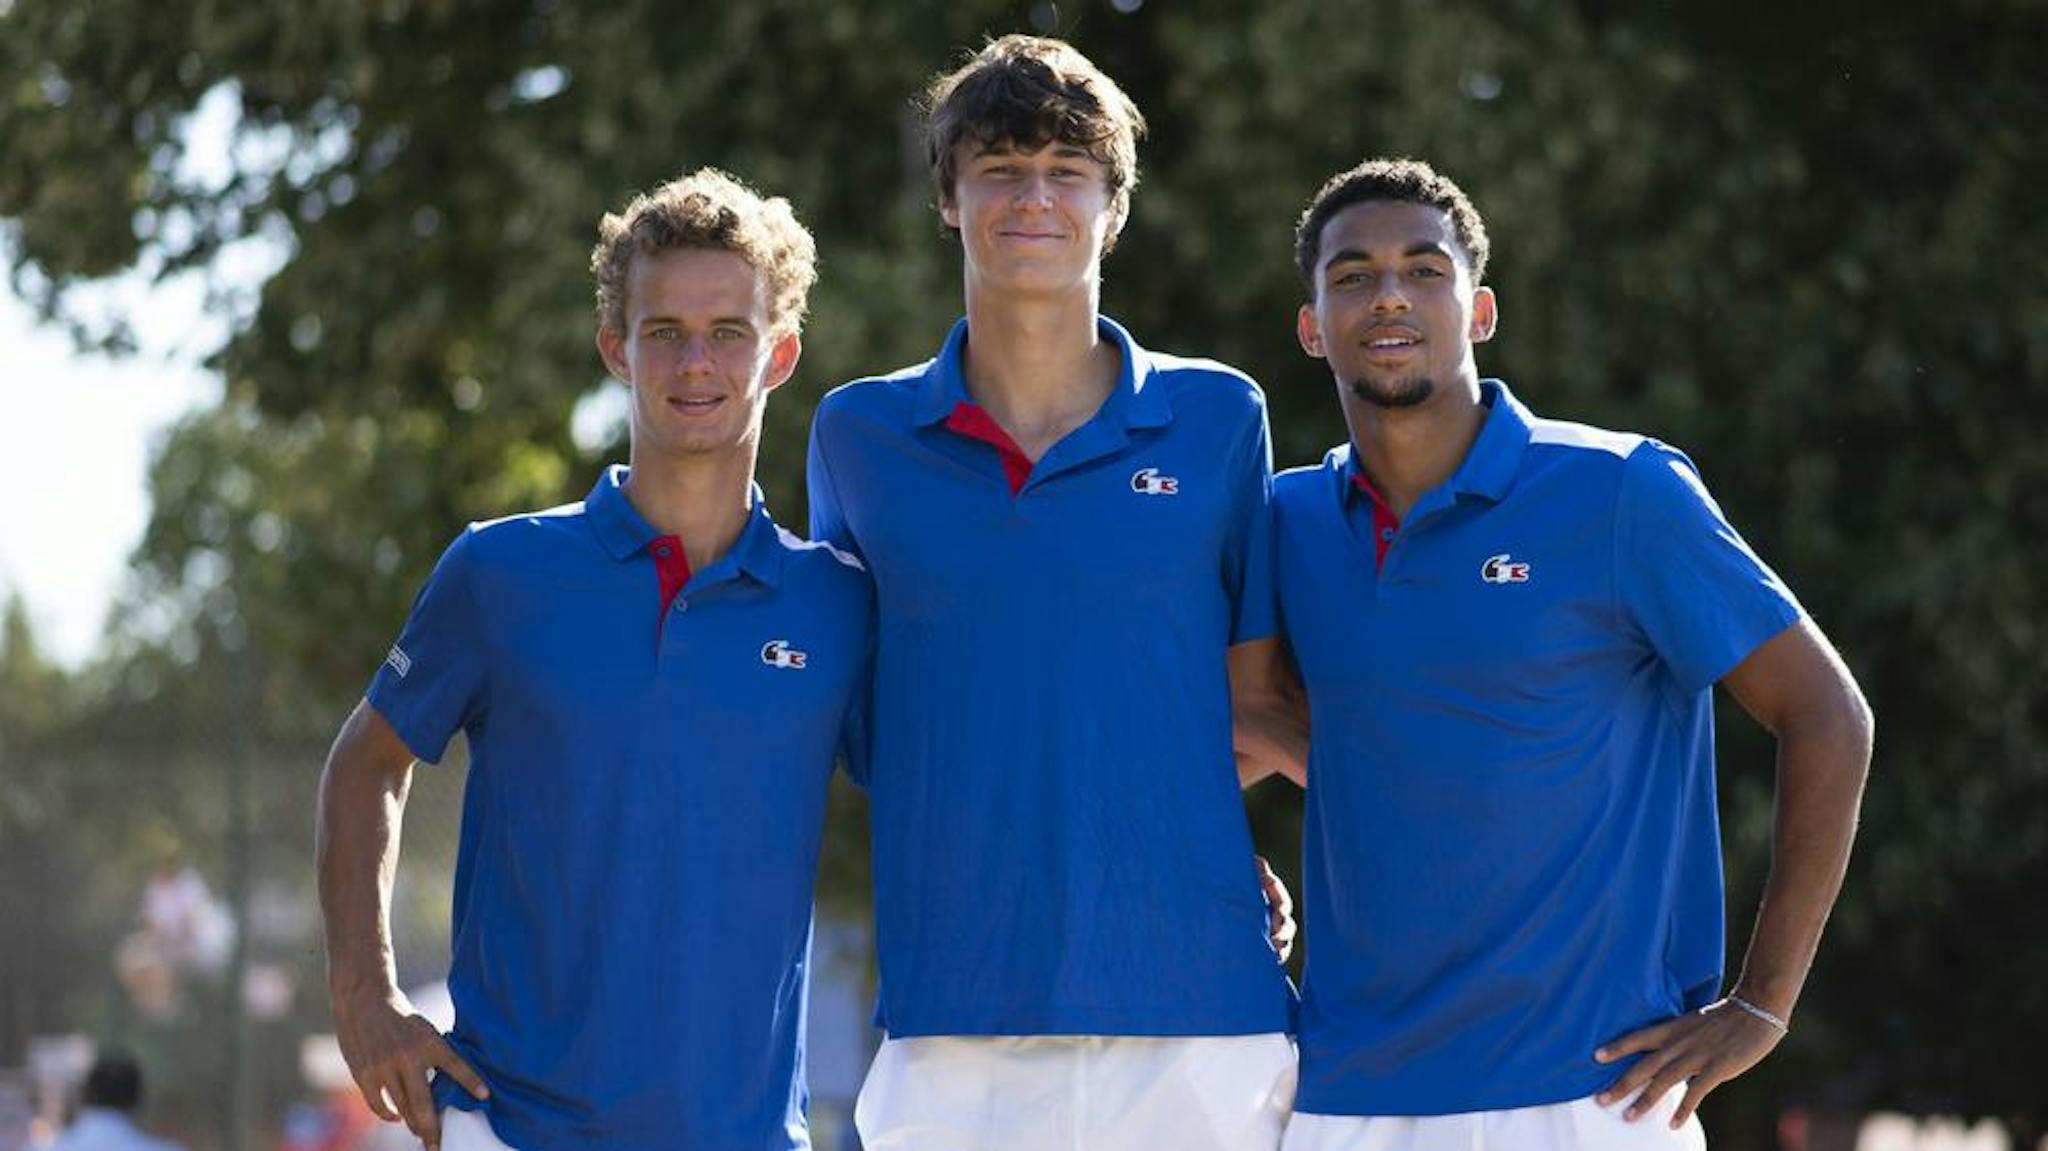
1400 180
708 209
1031 91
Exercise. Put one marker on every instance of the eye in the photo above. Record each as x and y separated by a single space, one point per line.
727 333
1348 279
1425 272
665 333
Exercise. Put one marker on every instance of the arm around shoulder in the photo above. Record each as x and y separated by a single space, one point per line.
1269 713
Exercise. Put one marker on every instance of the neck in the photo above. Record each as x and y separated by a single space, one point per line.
701 500
1408 451
1039 367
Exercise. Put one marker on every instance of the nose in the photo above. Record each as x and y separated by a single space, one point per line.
696 355
1387 296
1034 191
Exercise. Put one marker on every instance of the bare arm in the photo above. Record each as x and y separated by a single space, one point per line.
389 1046
1796 686
1269 713
1269 733
1806 697
362 807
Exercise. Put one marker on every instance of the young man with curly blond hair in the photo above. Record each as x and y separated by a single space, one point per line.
652 683
1068 534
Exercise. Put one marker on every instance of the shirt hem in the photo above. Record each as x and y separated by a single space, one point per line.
901 1024
1395 1100
543 1136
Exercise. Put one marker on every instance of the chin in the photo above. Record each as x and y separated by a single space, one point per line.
1406 393
699 445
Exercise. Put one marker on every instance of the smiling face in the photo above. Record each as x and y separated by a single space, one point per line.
1032 220
698 351
1395 312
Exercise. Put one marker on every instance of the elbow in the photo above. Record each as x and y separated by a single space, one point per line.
1845 724
1863 725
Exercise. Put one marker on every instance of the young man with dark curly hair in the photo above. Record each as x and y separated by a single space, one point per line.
1509 629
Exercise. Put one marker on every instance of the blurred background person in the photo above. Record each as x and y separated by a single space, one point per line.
107 1106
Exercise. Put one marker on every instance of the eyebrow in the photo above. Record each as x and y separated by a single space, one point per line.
716 321
1006 147
1418 248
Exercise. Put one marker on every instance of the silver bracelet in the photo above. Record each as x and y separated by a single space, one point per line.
1742 1004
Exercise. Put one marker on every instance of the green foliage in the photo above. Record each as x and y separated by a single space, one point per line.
1808 255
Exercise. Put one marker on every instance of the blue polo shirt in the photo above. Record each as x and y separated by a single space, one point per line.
1059 843
640 829
1511 847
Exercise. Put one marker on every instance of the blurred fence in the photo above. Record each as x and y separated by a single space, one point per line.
159 895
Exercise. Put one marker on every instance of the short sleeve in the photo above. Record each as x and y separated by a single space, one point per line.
827 519
1248 559
431 683
1685 578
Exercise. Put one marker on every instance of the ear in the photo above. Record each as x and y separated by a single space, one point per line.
1309 331
949 210
1120 214
782 357
1485 314
611 347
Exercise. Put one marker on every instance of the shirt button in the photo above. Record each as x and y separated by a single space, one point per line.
662 552
1386 533
682 604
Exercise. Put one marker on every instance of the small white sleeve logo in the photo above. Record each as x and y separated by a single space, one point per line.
399 661
1148 482
1502 569
778 653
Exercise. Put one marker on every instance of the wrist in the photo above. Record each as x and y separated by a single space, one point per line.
1775 998
352 991
1771 1019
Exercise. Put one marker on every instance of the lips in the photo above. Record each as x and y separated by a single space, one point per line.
1390 343
695 405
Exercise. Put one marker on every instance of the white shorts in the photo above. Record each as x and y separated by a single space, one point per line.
1579 1125
1077 1093
468 1131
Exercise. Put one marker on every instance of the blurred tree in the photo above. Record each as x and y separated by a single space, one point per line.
1800 243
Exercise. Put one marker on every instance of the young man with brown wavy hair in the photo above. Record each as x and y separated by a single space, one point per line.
1069 538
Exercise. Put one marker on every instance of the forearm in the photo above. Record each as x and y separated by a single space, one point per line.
362 806
1269 737
1822 763
1268 712
1800 691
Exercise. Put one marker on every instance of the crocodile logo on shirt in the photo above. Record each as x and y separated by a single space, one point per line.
1148 482
1503 569
778 653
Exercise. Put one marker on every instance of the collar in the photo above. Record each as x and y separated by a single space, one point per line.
1490 465
757 553
1135 402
